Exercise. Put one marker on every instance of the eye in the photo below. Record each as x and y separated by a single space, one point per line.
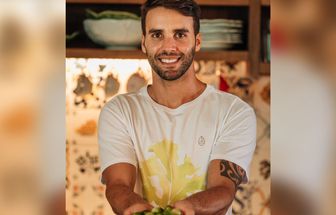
180 35
157 35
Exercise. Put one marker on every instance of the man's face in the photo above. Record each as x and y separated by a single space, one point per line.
170 43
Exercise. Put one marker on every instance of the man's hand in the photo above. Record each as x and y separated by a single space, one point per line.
120 180
223 178
185 206
138 207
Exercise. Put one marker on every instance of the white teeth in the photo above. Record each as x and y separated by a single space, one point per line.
169 60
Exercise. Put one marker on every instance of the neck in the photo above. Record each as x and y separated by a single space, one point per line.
172 94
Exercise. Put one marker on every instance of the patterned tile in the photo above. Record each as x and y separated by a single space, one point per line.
87 199
83 163
82 126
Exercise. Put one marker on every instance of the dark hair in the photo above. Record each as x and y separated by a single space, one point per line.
184 7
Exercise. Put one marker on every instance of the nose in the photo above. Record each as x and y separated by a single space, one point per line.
169 44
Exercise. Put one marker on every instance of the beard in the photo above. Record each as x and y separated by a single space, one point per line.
171 74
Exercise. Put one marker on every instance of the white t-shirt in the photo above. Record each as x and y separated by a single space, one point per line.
172 148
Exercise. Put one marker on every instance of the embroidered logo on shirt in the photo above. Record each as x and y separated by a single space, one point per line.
201 141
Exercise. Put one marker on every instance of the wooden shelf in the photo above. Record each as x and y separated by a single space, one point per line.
265 2
200 2
265 68
103 53
137 54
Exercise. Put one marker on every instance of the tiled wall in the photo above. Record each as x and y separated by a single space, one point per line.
91 82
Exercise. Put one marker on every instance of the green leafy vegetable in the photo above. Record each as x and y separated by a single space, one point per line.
160 211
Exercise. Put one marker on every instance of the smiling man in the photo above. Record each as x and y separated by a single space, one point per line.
186 143
170 47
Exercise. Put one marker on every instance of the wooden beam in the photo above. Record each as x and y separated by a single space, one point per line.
254 38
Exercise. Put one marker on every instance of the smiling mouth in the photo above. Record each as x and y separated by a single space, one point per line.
169 60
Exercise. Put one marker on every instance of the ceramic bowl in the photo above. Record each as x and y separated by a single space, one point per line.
113 33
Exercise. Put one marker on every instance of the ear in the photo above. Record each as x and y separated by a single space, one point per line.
198 42
143 48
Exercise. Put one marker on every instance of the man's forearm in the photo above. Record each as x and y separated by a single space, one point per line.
215 200
122 197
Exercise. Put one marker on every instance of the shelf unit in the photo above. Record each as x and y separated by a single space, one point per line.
250 10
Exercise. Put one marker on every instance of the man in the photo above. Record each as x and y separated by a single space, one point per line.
190 144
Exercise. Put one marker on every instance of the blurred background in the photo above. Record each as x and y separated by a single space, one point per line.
56 72
32 107
303 106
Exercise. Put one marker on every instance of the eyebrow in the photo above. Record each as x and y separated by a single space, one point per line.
155 31
179 30
182 30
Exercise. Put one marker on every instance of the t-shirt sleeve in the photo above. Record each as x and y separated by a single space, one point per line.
237 137
115 143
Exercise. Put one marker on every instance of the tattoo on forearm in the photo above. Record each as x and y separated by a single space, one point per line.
232 171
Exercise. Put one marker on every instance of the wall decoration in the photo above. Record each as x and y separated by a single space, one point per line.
251 199
207 72
84 166
88 128
136 81
266 93
265 169
84 86
112 85
84 201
